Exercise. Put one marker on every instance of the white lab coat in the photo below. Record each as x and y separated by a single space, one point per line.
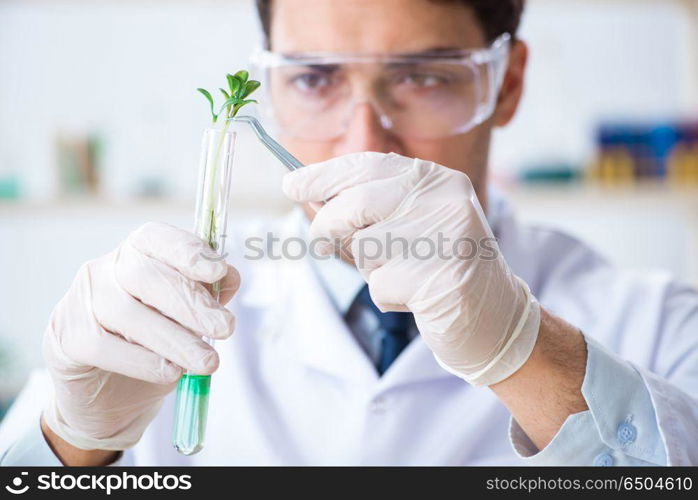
294 387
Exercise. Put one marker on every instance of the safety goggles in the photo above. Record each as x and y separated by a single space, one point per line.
313 96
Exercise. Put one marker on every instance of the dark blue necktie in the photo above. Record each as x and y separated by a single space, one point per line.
393 327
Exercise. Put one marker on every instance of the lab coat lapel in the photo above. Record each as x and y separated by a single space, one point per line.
521 257
323 339
416 364
294 306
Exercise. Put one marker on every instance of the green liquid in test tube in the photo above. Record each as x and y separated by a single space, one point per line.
191 407
191 412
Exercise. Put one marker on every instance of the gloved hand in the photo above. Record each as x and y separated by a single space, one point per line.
480 321
117 342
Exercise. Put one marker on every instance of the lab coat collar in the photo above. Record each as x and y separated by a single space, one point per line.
514 241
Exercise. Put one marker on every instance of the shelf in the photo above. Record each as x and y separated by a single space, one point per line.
97 206
646 190
642 190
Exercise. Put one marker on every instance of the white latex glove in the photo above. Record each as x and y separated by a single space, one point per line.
479 319
117 342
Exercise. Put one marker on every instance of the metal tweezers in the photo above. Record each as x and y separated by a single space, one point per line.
290 161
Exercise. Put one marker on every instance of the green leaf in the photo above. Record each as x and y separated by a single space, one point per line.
225 94
229 102
250 87
240 88
240 104
233 84
242 75
208 97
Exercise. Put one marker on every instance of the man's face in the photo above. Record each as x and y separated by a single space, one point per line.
384 27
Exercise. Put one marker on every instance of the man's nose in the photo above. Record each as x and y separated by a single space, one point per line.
365 132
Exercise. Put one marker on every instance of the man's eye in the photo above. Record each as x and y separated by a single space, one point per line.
311 82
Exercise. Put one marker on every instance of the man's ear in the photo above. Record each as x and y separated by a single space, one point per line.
513 85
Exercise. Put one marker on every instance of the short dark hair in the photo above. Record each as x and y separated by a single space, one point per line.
495 16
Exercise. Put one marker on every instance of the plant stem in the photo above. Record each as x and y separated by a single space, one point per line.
213 181
211 227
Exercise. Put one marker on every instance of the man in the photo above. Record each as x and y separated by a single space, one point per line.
533 350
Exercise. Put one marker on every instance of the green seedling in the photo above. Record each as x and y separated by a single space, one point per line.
235 97
239 88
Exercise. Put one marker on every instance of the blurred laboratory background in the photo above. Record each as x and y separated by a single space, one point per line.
100 128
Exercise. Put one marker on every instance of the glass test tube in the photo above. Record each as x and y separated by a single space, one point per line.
215 167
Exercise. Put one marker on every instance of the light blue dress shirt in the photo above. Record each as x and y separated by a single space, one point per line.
619 428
